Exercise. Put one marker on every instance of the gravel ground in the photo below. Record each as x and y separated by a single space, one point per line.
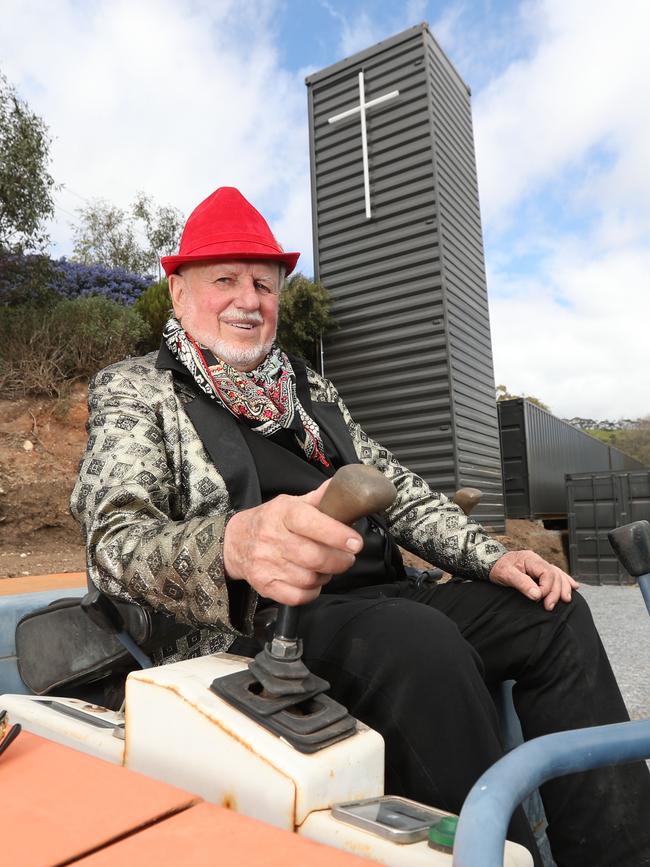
624 625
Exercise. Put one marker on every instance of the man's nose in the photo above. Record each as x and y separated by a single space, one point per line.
247 295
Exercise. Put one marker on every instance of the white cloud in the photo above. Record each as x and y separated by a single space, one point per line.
562 142
574 337
175 98
585 85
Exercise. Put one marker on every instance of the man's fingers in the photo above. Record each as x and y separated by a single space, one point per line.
315 556
525 570
297 576
288 542
288 594
304 519
273 580
555 584
550 583
511 576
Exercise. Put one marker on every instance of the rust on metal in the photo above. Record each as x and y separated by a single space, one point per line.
228 801
219 725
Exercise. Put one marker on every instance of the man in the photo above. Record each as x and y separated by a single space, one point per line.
198 495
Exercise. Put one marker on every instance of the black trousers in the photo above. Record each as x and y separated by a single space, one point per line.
416 664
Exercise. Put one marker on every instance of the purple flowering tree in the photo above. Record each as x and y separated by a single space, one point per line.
40 280
74 280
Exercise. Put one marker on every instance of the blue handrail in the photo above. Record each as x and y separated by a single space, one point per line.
483 821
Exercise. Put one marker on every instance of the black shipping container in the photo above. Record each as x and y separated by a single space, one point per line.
599 502
398 244
538 450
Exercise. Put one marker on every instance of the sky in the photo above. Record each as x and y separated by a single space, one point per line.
178 97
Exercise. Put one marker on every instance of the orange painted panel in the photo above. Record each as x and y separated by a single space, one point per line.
57 804
36 583
207 835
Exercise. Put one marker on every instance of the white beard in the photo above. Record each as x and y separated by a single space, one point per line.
239 357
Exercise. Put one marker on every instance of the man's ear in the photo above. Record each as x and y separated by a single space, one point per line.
178 290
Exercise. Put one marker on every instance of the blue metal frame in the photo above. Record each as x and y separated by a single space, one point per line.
483 821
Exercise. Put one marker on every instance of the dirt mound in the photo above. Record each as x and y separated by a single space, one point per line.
41 442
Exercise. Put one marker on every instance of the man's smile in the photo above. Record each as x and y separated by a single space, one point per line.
242 326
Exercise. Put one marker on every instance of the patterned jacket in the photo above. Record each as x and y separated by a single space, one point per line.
164 469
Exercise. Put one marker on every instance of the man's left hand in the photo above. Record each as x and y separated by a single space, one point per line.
529 573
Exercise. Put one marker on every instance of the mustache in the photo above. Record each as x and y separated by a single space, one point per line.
253 317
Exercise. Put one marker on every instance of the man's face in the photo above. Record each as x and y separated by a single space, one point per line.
230 307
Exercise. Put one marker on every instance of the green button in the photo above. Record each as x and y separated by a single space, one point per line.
441 835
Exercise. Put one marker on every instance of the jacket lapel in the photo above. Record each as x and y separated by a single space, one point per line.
222 438
330 420
220 433
327 415
166 361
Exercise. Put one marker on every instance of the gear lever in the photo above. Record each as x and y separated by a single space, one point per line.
278 690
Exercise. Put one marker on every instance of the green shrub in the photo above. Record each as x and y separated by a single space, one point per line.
154 306
304 316
43 349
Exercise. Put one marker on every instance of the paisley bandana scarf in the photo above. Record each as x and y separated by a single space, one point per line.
266 397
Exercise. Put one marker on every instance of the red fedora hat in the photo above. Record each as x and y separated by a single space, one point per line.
226 226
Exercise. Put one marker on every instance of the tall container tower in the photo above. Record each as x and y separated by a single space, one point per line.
398 244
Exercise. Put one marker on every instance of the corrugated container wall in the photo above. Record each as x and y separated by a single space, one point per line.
599 502
538 451
412 354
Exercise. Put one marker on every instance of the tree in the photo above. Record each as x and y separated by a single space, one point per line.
154 305
105 235
504 394
163 227
304 316
26 185
633 439
108 235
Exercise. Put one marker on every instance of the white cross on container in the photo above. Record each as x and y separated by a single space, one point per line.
361 109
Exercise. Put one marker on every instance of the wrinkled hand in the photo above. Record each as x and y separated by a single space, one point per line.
518 569
286 549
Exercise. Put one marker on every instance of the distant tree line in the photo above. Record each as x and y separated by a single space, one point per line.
634 440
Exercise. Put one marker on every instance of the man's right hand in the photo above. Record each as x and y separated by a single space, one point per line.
287 549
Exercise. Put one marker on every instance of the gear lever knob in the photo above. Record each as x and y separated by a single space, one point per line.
356 490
